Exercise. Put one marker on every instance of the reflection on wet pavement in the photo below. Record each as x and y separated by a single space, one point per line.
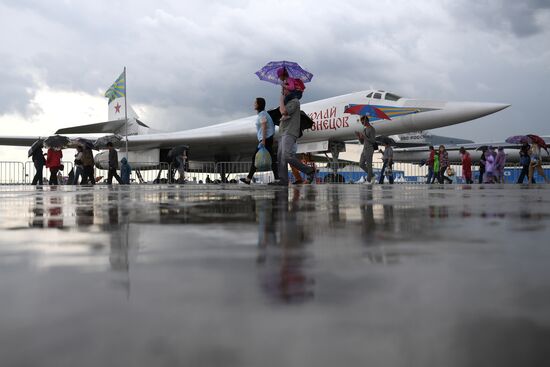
239 276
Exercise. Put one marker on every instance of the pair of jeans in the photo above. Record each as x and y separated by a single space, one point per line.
383 171
37 179
286 155
78 172
294 94
430 175
365 162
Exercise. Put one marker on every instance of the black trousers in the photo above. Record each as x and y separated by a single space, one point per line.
37 179
112 173
53 176
481 173
525 173
88 176
274 167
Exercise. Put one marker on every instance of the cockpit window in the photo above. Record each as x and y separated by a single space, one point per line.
392 97
369 95
377 96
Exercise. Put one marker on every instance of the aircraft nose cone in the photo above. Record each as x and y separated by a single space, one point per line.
473 110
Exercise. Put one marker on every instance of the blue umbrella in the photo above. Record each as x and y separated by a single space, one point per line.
269 71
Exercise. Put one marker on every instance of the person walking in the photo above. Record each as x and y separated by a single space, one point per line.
387 166
125 171
113 165
536 164
482 162
436 167
79 168
430 164
290 131
466 165
265 133
443 165
87 167
53 162
489 176
500 163
524 160
368 139
39 162
181 162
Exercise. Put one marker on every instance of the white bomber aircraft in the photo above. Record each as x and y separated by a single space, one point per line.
236 140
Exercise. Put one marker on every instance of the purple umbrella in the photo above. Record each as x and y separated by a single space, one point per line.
518 139
269 72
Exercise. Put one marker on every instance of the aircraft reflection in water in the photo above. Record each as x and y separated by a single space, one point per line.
290 231
91 214
287 225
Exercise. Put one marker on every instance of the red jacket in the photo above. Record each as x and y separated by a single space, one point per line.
430 161
466 165
53 159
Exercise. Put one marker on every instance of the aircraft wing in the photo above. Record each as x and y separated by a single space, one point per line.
19 141
235 140
100 127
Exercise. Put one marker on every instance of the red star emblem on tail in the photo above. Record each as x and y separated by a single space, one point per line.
117 108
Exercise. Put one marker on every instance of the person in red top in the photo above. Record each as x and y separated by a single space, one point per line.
466 165
53 162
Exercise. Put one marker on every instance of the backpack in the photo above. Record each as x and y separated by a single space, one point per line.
305 121
87 158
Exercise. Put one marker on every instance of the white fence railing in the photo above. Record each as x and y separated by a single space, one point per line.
230 172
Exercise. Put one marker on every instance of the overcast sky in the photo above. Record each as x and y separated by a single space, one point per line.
192 64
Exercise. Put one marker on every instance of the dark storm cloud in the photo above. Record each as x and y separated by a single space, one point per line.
17 88
517 17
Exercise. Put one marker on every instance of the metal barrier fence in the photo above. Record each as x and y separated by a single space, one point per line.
11 173
230 172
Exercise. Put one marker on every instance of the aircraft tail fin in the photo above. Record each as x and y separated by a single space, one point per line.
115 125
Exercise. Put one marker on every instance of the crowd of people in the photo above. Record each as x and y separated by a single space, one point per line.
491 163
83 170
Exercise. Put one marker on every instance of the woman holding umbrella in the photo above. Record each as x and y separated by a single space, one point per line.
524 161
39 162
53 162
536 163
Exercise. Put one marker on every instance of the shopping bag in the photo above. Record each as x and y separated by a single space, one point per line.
262 160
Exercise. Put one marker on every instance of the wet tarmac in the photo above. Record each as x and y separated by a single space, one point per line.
321 275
